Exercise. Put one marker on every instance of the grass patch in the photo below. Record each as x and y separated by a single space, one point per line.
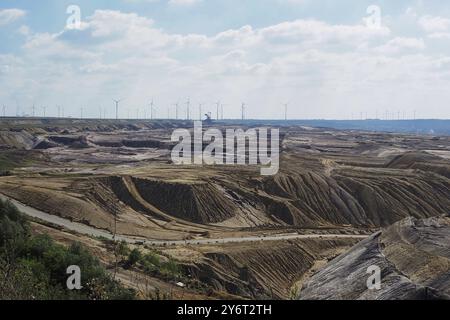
12 159
153 264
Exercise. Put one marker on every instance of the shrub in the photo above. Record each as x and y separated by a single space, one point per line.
34 267
134 257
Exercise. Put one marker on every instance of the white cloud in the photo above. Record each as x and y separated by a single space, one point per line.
439 35
411 12
436 27
434 24
184 2
321 32
8 16
24 30
400 43
317 63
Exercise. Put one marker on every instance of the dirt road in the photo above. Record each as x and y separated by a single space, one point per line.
91 231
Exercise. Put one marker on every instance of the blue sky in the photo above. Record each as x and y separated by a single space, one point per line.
321 56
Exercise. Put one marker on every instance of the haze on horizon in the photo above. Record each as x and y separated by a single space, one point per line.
323 57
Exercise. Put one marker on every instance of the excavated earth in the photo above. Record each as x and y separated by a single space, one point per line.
413 256
262 270
118 176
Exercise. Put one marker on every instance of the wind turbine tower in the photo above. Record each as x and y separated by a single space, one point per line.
286 111
177 105
243 110
17 108
152 103
218 107
188 106
117 107
200 105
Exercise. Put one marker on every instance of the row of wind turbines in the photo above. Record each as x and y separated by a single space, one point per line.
182 111
219 110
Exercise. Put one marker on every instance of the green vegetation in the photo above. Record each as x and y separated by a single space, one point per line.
34 267
154 265
122 250
6 165
11 159
134 257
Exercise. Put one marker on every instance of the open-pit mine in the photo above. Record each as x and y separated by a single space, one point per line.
343 200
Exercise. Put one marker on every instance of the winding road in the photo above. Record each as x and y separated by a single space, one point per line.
91 231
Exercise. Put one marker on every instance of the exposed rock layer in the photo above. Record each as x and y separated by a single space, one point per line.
413 256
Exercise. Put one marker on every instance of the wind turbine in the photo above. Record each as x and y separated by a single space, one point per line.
177 105
218 106
243 110
188 106
4 111
60 111
117 107
33 108
221 110
285 111
17 108
44 109
200 105
152 104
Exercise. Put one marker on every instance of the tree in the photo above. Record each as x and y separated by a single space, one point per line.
134 257
34 267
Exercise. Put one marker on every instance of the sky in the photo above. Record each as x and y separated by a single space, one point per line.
326 59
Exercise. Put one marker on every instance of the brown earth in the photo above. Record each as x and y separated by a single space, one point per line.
412 255
102 172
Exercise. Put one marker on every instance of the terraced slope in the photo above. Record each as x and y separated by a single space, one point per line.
414 258
327 178
260 270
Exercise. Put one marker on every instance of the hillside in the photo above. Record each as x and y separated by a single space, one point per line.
414 258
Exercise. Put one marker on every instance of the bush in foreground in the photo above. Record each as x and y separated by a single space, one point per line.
34 267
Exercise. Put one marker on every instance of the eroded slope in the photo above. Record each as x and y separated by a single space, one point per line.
414 258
